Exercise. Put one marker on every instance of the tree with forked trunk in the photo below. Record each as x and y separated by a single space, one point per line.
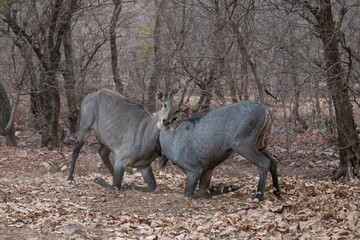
46 46
320 16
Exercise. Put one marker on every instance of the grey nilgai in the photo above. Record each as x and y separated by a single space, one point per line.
127 130
199 144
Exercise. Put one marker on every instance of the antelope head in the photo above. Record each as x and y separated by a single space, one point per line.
169 109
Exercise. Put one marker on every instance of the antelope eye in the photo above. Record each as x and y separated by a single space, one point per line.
165 106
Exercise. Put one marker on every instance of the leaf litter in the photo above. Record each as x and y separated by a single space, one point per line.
37 203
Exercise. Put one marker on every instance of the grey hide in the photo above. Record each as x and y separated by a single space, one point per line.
124 128
199 144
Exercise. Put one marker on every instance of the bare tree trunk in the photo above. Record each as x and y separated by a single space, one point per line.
35 96
317 114
49 56
258 82
51 95
220 49
156 74
296 114
244 90
348 140
30 73
203 105
330 122
70 82
252 65
6 123
228 73
50 110
287 128
114 55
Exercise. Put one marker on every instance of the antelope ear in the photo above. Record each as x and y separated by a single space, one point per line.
160 96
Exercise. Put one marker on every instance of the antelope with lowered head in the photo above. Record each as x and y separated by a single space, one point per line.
199 144
127 130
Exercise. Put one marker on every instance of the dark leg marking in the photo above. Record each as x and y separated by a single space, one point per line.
273 171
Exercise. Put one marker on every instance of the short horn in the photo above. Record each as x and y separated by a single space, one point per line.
171 93
182 97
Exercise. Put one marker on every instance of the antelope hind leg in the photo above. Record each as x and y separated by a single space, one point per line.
75 154
273 171
104 153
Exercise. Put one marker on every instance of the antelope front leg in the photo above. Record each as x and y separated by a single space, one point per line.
149 178
118 175
191 183
119 170
204 185
103 183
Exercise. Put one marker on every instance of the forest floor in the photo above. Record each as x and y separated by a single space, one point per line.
37 203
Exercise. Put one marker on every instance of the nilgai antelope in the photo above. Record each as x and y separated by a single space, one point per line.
127 130
199 144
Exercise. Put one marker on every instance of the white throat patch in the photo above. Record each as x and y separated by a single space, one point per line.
159 125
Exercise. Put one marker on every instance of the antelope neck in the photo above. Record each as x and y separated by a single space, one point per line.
166 141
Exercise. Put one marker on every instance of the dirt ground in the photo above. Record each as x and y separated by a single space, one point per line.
37 203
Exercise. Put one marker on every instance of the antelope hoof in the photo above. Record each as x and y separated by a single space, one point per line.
70 180
205 195
98 180
255 201
233 188
277 192
126 186
257 198
102 182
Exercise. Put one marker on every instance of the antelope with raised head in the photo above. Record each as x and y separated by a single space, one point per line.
127 130
199 144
